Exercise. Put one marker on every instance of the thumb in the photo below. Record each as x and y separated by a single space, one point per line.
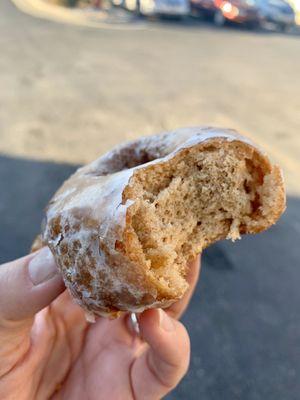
27 285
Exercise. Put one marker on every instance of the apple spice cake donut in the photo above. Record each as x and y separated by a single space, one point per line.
123 228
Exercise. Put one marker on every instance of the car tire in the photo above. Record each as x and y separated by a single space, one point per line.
219 19
283 27
137 10
254 26
194 12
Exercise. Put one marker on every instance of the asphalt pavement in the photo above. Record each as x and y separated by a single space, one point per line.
67 94
244 318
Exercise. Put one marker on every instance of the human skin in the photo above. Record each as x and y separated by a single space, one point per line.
49 351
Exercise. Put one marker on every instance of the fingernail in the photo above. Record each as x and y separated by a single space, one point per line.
42 267
165 321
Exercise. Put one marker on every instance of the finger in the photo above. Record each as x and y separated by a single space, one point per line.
27 285
178 308
160 368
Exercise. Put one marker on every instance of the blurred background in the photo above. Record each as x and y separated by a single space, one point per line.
79 77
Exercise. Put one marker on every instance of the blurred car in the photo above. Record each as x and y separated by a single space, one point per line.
176 8
277 12
239 11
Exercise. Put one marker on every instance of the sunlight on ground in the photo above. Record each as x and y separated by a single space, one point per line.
76 92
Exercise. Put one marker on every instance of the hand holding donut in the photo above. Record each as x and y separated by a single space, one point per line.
123 231
49 351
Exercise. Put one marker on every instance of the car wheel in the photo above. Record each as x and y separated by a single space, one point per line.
194 12
137 9
219 18
254 25
283 27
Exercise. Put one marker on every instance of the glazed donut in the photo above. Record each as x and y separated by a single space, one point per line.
123 228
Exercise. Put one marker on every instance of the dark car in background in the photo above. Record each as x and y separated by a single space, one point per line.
277 12
254 13
221 11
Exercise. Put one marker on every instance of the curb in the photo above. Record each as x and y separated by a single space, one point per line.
88 18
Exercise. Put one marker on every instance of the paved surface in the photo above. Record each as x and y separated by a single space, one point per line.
69 93
244 319
65 88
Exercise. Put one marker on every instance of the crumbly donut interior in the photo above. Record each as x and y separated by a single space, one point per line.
197 197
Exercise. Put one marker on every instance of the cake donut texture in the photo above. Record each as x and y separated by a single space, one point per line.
123 228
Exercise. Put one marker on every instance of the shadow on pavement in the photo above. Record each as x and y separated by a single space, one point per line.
26 186
244 319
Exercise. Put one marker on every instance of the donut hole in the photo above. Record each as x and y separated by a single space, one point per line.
201 195
125 157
